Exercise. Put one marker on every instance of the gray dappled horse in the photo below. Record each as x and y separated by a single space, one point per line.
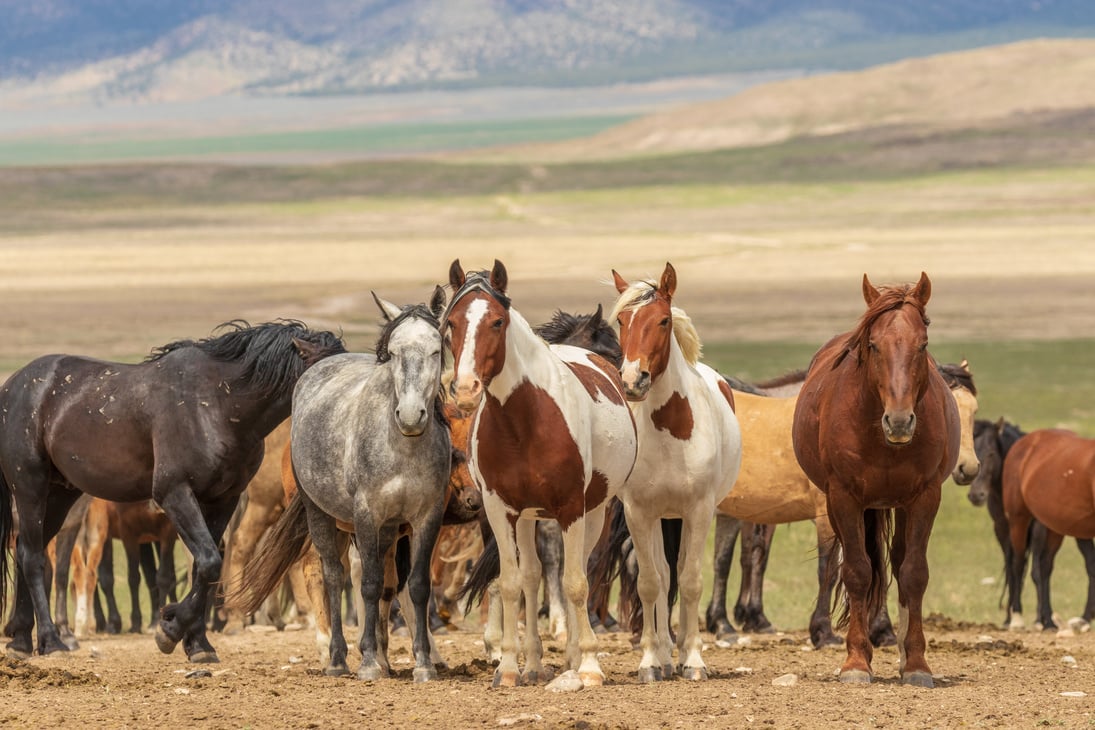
371 454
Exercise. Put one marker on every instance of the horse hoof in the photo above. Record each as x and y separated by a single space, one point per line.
71 642
505 679
828 640
855 676
669 671
204 657
424 674
649 675
591 679
336 670
165 643
695 674
373 673
918 679
14 653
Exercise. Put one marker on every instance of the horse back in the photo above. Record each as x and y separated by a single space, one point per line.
1052 473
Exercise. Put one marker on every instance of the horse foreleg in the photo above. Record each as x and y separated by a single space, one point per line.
1018 527
689 644
312 577
847 518
1087 549
531 572
185 621
912 527
727 530
373 544
96 536
756 543
821 625
112 621
578 542
63 547
420 588
646 543
549 549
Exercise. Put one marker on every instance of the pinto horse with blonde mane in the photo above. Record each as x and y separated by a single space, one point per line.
552 439
689 457
876 429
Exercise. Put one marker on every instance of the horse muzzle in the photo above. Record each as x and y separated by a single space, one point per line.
964 474
636 385
898 427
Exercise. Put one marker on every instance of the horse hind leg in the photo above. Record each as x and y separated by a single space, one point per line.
756 545
689 643
578 541
549 547
717 621
912 527
1044 546
531 570
1087 549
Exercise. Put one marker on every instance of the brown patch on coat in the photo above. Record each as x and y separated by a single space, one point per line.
727 393
675 417
597 491
527 456
601 379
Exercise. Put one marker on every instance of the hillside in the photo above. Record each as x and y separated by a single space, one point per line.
1018 85
101 51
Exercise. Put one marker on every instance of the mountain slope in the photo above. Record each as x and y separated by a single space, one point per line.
954 90
133 50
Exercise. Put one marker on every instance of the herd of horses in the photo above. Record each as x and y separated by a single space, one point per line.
575 455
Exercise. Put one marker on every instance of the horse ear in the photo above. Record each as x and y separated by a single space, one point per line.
308 351
437 301
870 293
923 289
1000 425
668 283
965 365
498 277
619 281
456 275
389 310
597 317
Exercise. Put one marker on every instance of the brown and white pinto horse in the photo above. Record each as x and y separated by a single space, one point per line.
877 430
689 457
552 439
1049 476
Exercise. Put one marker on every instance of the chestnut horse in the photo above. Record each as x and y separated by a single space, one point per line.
689 457
1049 476
876 429
185 427
552 439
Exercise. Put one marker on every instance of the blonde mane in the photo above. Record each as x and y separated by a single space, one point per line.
640 293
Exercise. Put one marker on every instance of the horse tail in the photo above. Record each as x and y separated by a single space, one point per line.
284 544
486 569
606 559
6 520
878 528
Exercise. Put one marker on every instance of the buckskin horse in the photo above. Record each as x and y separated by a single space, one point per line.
185 428
553 439
876 429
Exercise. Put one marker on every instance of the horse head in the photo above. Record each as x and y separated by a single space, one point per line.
477 318
463 501
960 381
992 442
892 340
410 341
645 315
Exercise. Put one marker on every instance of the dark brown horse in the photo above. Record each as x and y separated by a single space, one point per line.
185 428
876 429
1048 476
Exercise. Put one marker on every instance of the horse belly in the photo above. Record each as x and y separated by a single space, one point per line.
1059 486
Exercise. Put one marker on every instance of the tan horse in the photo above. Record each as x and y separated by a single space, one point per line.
772 489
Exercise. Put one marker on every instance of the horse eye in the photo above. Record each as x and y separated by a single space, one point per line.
924 347
665 322
498 323
872 346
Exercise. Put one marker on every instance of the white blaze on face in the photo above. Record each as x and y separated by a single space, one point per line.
629 372
465 368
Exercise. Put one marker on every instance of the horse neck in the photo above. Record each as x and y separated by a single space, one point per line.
528 358
675 378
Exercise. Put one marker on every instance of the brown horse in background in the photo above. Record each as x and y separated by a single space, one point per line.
1049 476
877 430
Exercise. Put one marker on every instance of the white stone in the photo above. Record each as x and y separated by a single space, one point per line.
1074 694
568 681
523 717
786 680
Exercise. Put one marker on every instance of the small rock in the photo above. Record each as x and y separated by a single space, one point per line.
182 691
1068 660
261 629
1065 633
786 680
988 581
743 670
94 653
198 674
1077 624
1074 694
985 639
295 659
568 681
523 717
224 673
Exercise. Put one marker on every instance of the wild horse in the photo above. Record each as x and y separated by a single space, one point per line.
184 428
1048 478
370 454
876 429
553 439
689 454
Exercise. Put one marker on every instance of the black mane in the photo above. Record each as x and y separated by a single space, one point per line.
955 375
421 311
267 352
588 331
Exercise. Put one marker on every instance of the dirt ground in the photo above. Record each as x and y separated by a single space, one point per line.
984 678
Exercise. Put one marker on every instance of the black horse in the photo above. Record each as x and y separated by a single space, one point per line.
185 428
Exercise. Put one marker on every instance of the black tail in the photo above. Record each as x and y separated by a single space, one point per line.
606 560
284 544
482 574
878 528
5 538
631 608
